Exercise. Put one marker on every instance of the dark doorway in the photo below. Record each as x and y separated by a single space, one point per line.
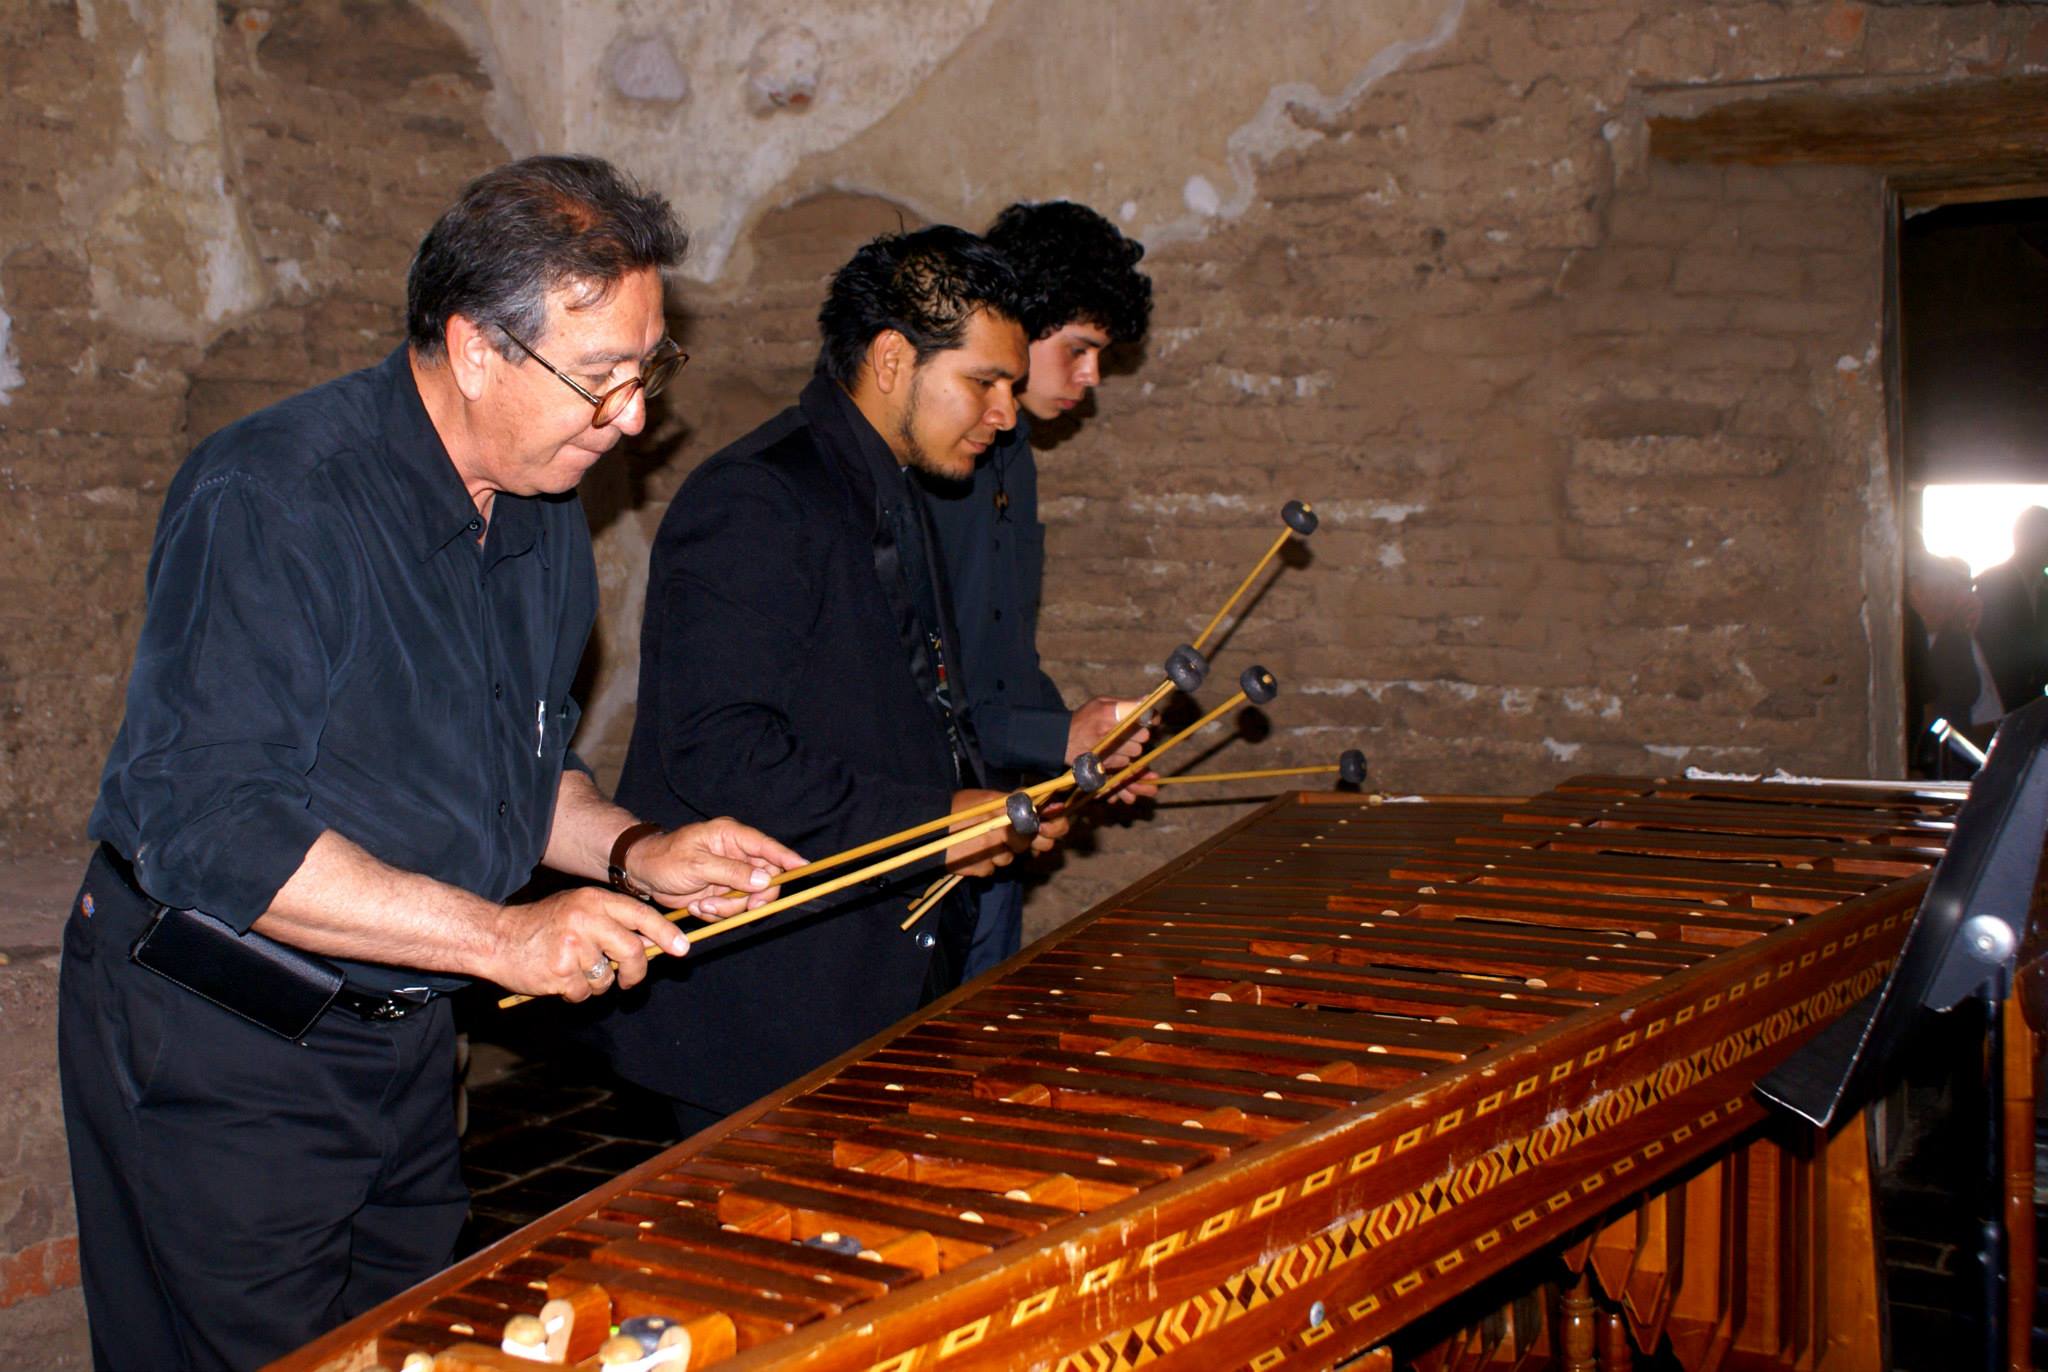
1973 341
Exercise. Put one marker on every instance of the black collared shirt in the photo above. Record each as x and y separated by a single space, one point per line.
326 646
992 547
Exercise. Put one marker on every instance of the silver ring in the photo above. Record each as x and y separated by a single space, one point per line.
599 970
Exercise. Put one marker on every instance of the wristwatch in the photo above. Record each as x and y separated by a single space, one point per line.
615 865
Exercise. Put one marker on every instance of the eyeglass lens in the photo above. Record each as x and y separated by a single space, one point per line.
650 383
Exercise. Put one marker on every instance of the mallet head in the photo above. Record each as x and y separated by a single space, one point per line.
1088 773
1023 814
1351 767
1257 684
1186 668
1298 516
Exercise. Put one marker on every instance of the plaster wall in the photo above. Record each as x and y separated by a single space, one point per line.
950 106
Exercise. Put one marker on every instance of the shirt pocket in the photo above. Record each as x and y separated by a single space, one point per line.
563 717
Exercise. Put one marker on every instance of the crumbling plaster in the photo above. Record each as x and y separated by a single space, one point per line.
953 108
714 151
169 253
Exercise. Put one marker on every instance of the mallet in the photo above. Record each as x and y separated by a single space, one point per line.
1018 812
1255 685
1300 519
1349 767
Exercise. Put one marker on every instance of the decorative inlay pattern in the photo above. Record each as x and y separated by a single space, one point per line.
1323 1253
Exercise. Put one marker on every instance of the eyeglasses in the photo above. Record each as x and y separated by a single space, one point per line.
659 369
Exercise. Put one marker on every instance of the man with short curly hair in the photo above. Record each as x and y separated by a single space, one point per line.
1081 293
796 671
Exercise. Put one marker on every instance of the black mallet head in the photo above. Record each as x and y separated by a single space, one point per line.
1258 685
1351 767
1297 515
1088 773
1186 668
1023 814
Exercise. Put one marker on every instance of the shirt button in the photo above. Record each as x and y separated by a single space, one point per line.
497 690
501 807
1002 685
475 524
999 614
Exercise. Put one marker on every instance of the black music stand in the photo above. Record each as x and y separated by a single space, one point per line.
1964 942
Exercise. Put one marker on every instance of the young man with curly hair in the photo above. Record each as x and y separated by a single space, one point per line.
1080 293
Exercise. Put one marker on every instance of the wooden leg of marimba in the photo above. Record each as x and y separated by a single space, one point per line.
1637 1262
1615 1354
1576 1328
1763 1197
2020 1282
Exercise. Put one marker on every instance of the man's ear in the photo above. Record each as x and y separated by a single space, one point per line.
471 354
891 359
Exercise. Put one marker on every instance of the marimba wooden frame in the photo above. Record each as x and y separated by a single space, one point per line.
1303 1250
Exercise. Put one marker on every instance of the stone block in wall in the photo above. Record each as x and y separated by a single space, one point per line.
1654 318
42 277
1681 456
1746 272
1668 222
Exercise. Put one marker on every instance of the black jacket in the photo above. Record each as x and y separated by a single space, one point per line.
783 681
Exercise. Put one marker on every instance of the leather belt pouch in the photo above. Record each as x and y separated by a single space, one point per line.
265 982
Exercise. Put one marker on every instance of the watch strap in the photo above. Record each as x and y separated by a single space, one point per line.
615 865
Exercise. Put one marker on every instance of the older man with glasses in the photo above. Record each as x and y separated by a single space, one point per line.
345 746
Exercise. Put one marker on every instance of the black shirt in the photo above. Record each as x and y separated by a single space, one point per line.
922 580
993 550
325 646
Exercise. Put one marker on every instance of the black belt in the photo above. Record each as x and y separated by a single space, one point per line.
373 1006
379 1006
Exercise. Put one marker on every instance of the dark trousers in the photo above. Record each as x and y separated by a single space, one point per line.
998 924
238 1193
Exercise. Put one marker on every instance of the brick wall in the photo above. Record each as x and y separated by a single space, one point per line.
80 439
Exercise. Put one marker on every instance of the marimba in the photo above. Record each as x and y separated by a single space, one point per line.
1337 1069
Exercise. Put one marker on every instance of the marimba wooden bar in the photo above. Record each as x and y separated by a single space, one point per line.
1283 1102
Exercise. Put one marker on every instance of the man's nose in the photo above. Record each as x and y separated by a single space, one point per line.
1089 373
633 418
1002 409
